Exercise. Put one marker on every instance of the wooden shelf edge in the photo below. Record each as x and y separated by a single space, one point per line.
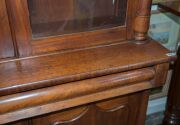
34 73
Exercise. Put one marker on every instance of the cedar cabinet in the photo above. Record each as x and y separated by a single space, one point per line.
77 62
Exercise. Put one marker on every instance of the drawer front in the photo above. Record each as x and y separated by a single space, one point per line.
38 102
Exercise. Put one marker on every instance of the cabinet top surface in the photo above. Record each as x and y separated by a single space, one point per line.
32 73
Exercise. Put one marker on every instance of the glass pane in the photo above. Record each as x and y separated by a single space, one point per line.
57 17
165 28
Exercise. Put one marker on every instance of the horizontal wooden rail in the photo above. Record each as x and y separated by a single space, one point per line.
33 103
34 73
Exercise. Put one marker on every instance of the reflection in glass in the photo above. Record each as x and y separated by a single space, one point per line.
56 17
165 28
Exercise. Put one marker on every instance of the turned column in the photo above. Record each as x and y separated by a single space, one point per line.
142 21
172 114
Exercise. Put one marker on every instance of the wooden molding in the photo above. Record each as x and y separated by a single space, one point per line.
77 65
69 103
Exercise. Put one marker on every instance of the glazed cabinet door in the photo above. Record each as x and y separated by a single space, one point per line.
43 26
6 42
127 110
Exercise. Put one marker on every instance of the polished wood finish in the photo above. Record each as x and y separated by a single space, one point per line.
19 26
74 89
119 110
97 77
81 92
141 25
116 111
49 70
6 41
38 102
22 28
69 103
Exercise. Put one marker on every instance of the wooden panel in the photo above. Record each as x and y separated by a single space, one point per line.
32 73
79 40
91 116
6 42
118 111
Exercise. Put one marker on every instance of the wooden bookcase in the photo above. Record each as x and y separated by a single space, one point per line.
76 62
